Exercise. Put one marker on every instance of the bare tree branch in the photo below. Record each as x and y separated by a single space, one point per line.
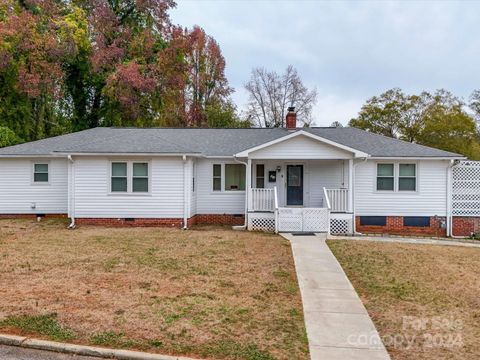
270 94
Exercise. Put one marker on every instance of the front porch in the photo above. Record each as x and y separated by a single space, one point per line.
300 196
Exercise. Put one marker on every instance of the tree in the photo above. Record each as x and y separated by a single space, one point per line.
336 124
393 114
224 115
475 104
8 137
31 67
75 64
270 94
451 130
207 83
438 120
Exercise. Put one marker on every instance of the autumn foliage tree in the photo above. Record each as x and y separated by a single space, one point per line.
31 74
68 65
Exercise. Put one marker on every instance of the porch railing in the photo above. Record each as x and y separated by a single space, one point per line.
337 199
262 199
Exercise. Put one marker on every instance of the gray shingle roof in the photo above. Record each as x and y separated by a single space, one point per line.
210 142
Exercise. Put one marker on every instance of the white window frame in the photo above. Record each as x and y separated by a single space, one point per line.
40 183
213 177
222 179
416 177
129 191
396 177
262 176
111 176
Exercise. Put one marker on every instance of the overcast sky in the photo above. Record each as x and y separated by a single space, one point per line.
349 51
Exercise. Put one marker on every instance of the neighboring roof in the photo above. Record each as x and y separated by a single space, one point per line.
210 142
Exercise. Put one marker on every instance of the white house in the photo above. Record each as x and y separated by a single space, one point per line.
342 180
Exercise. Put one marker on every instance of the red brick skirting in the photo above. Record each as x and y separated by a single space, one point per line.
216 219
31 216
395 226
134 222
199 219
465 226
203 219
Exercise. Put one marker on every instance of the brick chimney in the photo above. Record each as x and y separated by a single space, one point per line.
291 121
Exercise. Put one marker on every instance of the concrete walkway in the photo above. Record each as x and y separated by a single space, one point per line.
338 325
443 242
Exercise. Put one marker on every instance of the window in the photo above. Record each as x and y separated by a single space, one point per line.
40 173
416 221
228 177
217 177
260 180
119 177
130 177
407 180
234 177
140 177
385 177
373 220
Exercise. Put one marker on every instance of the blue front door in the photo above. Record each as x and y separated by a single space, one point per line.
295 185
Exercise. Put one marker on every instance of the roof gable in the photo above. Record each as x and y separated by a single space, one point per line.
301 144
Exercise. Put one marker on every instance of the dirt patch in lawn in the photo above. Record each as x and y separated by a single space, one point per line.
423 299
209 292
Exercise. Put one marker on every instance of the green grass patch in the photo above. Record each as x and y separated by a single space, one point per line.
116 340
235 350
45 325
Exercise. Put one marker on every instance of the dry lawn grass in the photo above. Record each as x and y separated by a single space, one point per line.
209 293
429 283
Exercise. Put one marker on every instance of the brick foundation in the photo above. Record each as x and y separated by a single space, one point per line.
136 222
465 226
31 216
200 219
216 219
394 226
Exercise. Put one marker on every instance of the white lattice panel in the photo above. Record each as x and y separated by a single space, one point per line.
303 219
261 222
290 219
466 189
315 219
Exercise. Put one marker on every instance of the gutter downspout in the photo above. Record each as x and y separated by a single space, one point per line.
245 223
185 193
352 186
72 192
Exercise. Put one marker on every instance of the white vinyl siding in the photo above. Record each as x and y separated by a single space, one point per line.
18 191
429 199
215 202
93 198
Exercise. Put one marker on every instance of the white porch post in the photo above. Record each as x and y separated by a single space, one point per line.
248 192
350 186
